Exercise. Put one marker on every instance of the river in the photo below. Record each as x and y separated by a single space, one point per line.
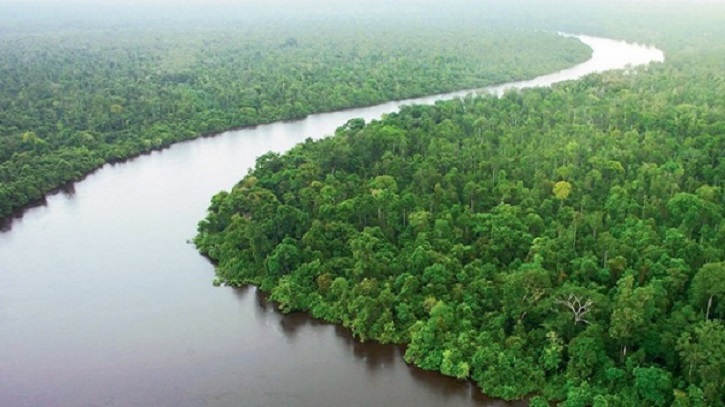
103 302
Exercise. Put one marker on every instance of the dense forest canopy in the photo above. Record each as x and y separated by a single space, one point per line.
81 92
563 244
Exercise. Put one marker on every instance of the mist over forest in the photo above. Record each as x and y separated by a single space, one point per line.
531 13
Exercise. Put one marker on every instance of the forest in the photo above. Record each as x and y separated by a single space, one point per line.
75 97
562 245
558 245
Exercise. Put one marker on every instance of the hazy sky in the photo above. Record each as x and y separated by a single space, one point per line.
20 11
258 2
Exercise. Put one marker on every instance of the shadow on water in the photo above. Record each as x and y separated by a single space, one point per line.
262 300
291 324
374 355
6 224
67 191
450 388
264 308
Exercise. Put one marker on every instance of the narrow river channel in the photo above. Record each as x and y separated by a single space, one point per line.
104 303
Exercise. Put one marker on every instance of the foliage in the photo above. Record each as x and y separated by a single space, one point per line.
559 242
72 99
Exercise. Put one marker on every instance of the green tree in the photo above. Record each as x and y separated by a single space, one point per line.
708 285
704 360
653 385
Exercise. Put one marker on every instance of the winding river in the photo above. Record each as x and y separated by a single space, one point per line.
104 303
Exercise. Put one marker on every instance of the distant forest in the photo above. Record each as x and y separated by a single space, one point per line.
75 96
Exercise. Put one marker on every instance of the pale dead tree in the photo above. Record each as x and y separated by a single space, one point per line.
531 296
578 306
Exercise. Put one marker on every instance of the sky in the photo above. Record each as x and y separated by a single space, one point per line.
22 11
271 2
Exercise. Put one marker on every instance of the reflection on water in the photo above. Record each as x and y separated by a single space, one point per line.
374 356
68 190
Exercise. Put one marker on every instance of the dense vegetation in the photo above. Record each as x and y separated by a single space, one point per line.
73 99
565 244
567 241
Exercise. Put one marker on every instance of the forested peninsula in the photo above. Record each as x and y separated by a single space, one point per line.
73 98
561 245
